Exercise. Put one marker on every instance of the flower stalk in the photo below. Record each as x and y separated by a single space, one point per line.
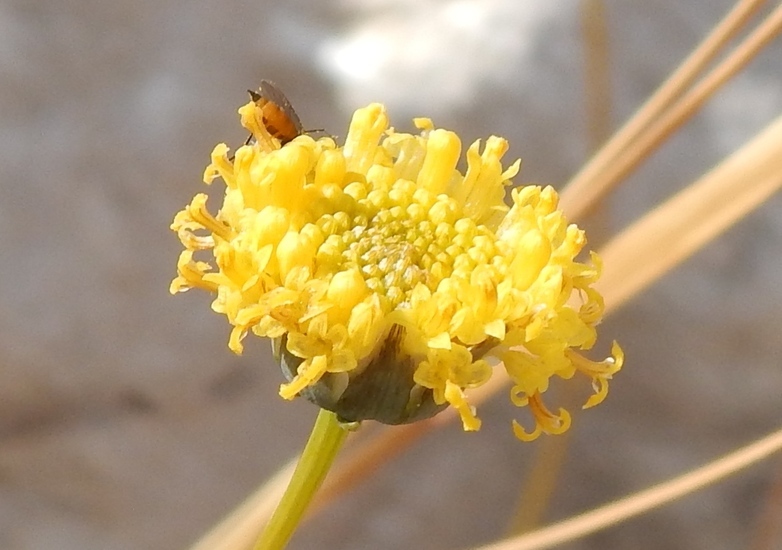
324 443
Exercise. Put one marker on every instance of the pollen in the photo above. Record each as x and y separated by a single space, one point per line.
388 280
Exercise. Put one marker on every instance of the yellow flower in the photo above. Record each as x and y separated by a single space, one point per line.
388 280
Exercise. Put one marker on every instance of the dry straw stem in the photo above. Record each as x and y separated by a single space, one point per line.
669 234
587 187
768 529
240 529
540 481
688 220
644 501
687 106
597 71
324 443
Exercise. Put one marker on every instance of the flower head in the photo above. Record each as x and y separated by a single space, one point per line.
387 279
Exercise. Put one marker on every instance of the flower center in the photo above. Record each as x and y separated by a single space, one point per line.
390 263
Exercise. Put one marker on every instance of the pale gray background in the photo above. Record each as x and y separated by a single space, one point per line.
125 422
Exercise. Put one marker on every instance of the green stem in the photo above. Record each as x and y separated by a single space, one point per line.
325 440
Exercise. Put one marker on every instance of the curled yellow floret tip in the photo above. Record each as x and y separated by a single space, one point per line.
389 281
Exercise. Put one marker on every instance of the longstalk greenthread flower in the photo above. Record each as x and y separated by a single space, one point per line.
387 280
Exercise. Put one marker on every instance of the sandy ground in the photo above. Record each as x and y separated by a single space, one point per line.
125 422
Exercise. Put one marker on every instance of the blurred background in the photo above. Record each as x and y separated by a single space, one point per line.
126 423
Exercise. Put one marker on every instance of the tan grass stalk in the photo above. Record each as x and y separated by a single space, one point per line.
672 232
241 528
542 478
586 187
690 219
238 531
756 170
642 502
768 529
597 72
687 106
668 235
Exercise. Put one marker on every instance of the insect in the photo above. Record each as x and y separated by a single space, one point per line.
279 118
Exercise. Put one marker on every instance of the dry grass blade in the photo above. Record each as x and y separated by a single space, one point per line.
644 501
621 280
586 187
757 168
241 528
682 225
540 484
669 234
597 72
768 531
542 479
368 456
687 106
